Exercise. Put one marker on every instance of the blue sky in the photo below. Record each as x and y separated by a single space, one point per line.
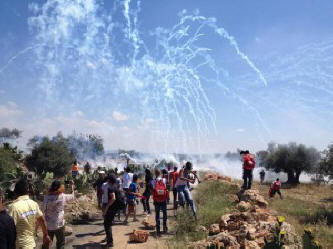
259 71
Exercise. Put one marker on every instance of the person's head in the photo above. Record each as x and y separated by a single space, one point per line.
112 179
188 166
75 162
21 187
127 169
175 168
157 172
164 171
101 174
246 152
56 186
277 179
135 178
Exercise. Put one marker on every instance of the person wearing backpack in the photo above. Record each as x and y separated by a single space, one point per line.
160 197
116 203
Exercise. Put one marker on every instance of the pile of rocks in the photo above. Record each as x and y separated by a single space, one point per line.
82 209
247 227
212 176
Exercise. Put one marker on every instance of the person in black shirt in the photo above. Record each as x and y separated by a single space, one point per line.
7 227
111 210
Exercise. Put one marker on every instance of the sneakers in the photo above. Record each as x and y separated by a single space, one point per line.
165 229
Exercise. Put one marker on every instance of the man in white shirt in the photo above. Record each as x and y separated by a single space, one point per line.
127 179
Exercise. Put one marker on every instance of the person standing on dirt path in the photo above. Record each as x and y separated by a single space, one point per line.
26 215
111 209
173 179
275 188
127 180
7 226
262 174
98 187
160 196
132 196
53 208
147 192
182 186
248 166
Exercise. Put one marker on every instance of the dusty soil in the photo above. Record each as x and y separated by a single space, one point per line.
91 235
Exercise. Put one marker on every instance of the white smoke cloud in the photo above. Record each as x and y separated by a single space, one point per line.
120 116
9 110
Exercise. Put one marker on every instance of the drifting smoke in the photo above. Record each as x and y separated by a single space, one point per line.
88 55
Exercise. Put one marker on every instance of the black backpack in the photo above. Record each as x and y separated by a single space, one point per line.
120 200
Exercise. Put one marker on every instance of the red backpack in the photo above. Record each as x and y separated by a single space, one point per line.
160 191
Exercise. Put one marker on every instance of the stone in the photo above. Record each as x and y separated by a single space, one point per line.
68 231
251 234
148 223
243 206
224 178
214 229
251 245
233 225
224 221
139 236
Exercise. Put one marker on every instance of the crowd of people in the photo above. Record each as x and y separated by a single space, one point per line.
115 195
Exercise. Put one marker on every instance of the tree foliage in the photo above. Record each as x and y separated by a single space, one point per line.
10 157
326 163
291 158
50 155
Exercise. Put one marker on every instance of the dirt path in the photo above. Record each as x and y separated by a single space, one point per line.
92 235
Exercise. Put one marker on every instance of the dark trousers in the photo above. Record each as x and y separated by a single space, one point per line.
108 221
274 191
60 237
146 205
247 177
175 201
161 206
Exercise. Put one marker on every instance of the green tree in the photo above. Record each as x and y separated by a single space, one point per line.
50 155
326 163
292 158
10 157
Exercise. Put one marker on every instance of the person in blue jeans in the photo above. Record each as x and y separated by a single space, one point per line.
132 196
183 188
160 196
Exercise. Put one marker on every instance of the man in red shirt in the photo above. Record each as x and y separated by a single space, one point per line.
248 166
275 188
173 179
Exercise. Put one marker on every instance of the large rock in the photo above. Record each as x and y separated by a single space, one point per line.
225 238
244 206
139 236
251 245
253 196
214 229
224 221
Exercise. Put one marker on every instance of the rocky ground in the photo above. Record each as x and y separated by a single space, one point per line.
248 226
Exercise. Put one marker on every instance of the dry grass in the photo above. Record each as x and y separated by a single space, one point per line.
306 206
